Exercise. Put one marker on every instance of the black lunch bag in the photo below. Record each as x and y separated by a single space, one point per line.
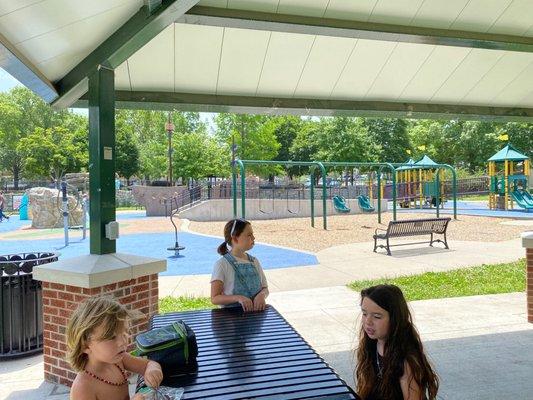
173 346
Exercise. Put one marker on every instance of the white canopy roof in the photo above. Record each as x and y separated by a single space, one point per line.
365 57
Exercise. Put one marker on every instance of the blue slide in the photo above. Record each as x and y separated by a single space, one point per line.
522 199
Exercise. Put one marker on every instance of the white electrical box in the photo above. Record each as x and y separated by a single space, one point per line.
111 230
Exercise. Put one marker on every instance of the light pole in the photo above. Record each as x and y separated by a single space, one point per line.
169 127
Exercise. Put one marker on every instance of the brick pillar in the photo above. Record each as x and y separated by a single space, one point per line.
64 289
527 242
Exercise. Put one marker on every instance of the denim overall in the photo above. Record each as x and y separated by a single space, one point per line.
247 279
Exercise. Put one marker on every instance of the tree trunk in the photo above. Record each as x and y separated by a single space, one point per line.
16 178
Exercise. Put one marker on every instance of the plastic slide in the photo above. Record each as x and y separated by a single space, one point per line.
364 204
527 196
518 197
340 204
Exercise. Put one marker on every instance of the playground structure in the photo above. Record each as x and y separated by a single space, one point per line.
508 172
421 183
386 183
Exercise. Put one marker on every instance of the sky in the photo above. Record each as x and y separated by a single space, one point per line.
7 82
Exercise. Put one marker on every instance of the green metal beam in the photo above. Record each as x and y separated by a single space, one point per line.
302 106
101 158
243 19
22 69
130 37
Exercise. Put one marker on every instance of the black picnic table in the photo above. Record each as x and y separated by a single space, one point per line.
252 355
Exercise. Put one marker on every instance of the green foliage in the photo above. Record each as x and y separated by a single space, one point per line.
197 155
52 152
391 136
254 136
484 279
127 159
184 303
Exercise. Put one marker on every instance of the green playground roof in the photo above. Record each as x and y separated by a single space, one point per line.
426 162
508 153
407 165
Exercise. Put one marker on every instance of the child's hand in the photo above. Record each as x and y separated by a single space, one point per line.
138 396
246 303
259 302
153 374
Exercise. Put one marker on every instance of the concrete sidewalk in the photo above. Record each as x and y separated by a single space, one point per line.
340 265
480 345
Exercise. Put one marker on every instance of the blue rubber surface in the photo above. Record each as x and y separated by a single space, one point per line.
475 208
197 258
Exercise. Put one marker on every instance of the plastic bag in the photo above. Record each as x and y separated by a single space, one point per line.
162 393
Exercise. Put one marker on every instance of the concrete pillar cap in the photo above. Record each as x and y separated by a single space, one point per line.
527 240
93 270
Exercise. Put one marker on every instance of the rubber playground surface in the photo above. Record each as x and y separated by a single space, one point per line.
476 208
197 258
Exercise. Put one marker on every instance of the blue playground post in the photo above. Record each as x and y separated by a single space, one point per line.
23 208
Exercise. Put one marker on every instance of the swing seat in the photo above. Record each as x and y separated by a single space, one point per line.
364 204
340 204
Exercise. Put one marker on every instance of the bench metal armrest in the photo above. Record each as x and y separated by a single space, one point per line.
379 229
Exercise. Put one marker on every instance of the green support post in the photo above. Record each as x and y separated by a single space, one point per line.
324 194
437 192
312 187
454 188
101 158
393 194
243 191
234 191
379 196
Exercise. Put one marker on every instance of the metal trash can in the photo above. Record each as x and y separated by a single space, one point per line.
21 305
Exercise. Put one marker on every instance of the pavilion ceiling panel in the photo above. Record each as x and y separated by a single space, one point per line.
9 6
315 8
122 77
516 19
509 67
437 13
398 71
480 15
434 72
284 62
395 11
152 67
241 60
57 14
54 67
466 75
197 58
362 69
269 6
324 66
520 88
81 37
356 10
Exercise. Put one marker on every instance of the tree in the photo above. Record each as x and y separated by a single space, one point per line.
196 155
31 113
254 137
126 151
520 135
390 134
52 152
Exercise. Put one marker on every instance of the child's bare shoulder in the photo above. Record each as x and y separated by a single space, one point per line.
82 388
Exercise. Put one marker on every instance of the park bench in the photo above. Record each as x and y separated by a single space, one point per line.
252 355
412 227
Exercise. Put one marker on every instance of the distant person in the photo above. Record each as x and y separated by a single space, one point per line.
97 340
2 204
238 278
391 362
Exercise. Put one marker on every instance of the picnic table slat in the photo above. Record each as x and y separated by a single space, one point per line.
253 355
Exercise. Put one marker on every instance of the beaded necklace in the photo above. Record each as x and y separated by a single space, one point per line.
380 366
123 372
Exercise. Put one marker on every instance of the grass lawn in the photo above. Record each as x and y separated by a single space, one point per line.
184 303
475 197
479 280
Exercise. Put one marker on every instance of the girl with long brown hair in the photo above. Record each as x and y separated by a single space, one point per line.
391 362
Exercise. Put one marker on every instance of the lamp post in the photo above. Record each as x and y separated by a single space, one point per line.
169 127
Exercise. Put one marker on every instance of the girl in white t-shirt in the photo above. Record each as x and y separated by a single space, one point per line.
238 278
